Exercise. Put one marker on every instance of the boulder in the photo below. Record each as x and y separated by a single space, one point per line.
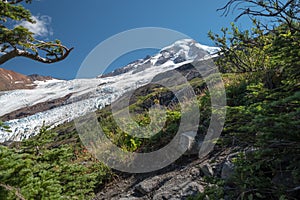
207 170
148 185
188 142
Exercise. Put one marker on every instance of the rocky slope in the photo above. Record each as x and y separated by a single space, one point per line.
181 180
10 80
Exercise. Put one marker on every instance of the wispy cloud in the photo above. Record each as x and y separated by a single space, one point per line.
42 26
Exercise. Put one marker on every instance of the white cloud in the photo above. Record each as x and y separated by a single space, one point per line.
41 27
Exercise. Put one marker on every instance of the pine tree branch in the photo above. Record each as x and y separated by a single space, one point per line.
35 56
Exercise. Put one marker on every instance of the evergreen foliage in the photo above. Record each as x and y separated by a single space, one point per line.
18 41
263 109
38 168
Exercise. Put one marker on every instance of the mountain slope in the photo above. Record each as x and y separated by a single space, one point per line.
10 80
88 95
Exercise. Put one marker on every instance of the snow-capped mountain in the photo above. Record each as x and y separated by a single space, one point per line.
180 51
71 99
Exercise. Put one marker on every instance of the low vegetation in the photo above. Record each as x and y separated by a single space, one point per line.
43 168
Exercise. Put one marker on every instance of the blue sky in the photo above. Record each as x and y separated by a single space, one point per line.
84 24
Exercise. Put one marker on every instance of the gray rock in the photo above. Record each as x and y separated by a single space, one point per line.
148 185
195 172
191 189
129 198
228 167
227 170
207 170
178 191
188 142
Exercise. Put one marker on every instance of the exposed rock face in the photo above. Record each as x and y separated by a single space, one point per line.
147 186
179 183
10 80
131 66
37 77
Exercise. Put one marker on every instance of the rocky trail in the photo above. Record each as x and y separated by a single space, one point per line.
182 179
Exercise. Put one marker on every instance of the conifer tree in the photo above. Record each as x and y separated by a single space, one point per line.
18 41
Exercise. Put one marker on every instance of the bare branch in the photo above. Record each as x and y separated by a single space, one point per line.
35 56
15 1
269 9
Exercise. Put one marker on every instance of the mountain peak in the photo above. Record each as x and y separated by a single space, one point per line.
184 50
191 45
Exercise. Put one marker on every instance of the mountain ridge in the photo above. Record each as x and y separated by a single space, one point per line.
178 52
11 80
